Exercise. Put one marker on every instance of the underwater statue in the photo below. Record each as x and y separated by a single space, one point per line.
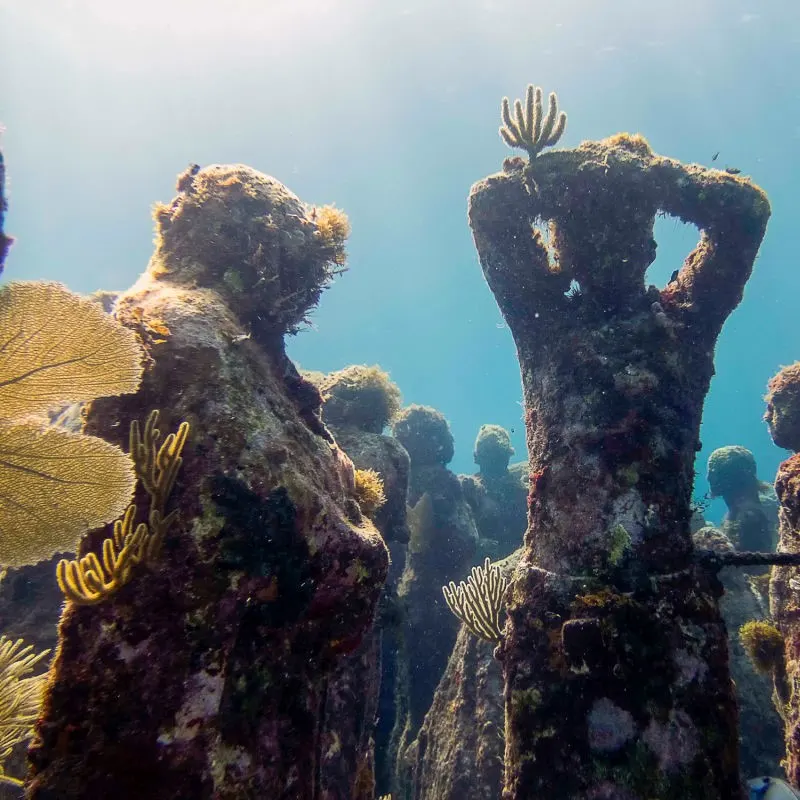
358 403
614 652
496 495
783 419
442 544
751 521
197 668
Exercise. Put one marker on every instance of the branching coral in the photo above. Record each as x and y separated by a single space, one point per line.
157 467
527 130
87 580
20 697
55 348
478 601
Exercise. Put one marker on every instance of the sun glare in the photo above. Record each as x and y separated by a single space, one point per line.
206 29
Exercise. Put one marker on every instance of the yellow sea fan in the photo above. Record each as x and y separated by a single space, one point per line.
55 485
57 347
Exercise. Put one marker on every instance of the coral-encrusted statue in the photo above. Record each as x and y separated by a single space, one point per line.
203 677
783 419
615 658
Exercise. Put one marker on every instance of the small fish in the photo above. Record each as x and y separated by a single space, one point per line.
673 278
715 156
241 337
732 170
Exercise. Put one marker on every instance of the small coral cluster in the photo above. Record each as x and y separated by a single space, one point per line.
529 129
763 643
369 491
477 602
20 698
268 253
86 580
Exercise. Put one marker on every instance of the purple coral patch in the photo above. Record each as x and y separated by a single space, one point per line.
610 726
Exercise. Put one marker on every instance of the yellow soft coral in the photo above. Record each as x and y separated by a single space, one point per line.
369 491
20 698
88 580
57 347
763 643
333 228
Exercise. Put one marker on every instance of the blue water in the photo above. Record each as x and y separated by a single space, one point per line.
391 111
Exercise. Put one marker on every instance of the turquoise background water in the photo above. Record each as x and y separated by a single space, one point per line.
391 112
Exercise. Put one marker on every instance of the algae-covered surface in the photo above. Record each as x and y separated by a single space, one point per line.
433 435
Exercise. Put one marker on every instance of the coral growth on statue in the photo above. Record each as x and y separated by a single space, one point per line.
202 676
783 419
605 691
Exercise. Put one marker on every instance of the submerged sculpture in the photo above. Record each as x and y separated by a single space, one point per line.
204 676
783 419
616 674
